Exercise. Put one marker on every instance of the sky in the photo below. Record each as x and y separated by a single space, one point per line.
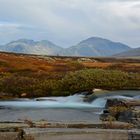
66 22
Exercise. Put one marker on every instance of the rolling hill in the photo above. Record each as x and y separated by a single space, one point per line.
130 53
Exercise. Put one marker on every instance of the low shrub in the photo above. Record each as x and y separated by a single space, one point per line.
70 83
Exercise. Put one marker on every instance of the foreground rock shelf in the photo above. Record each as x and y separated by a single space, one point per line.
43 130
71 134
82 134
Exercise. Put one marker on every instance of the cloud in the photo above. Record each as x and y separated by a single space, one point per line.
68 21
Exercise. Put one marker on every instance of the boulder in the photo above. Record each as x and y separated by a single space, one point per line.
122 110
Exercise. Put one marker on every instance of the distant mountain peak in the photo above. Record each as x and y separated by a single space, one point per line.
93 39
46 42
26 41
29 46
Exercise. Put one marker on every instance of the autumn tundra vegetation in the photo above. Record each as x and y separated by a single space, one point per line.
35 76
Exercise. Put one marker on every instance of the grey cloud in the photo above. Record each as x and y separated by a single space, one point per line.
68 21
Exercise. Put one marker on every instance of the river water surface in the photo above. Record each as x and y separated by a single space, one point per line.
60 109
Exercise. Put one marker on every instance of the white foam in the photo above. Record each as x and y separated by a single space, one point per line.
75 101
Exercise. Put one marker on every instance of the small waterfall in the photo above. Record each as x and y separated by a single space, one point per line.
99 102
74 101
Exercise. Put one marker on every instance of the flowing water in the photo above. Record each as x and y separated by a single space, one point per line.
71 108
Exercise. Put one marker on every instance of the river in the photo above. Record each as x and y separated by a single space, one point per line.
60 109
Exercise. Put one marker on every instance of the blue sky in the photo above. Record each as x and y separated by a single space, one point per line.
66 22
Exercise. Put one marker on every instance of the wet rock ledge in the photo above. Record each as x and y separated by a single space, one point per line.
42 130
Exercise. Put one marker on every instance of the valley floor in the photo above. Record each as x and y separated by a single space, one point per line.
38 75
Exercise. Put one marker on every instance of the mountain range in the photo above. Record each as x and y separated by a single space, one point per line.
93 46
